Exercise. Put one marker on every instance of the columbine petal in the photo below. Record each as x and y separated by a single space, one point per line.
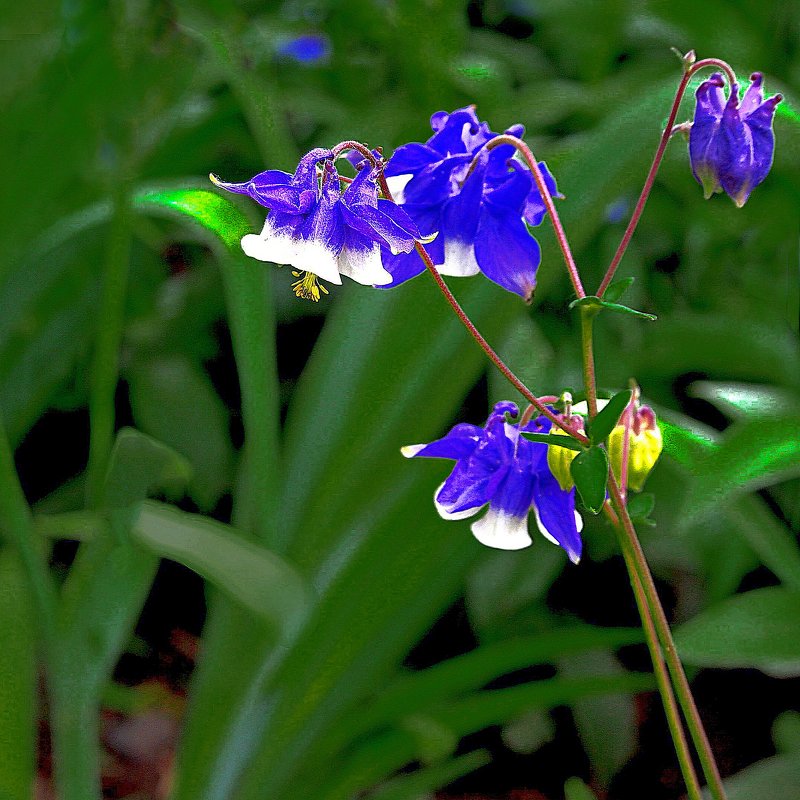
282 247
556 516
506 253
502 531
360 260
460 224
459 443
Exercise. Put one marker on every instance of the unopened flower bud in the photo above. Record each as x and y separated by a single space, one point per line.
560 458
644 447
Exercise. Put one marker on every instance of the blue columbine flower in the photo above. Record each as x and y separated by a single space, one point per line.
496 465
731 144
479 217
319 229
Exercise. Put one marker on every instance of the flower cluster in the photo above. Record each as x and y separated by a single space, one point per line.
498 467
319 229
731 144
477 200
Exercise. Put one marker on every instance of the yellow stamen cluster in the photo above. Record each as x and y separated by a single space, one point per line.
308 287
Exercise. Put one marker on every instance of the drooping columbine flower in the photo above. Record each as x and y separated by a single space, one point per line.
731 144
319 229
479 217
498 467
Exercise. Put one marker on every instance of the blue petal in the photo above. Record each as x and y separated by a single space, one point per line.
411 158
378 226
449 136
459 443
556 515
535 208
435 183
506 253
703 136
460 219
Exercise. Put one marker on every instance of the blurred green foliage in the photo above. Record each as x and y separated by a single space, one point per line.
133 102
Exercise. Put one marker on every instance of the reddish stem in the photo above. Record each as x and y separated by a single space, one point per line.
651 175
561 237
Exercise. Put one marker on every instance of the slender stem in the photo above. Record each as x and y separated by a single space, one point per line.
492 355
657 159
482 343
634 555
662 678
541 185
108 337
587 352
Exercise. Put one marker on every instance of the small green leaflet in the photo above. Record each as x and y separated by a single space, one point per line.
589 470
598 304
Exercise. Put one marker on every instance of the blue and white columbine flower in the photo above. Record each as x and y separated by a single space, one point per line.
319 229
731 144
480 217
498 467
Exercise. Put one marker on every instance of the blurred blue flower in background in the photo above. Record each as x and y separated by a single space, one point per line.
480 214
731 144
319 229
309 49
498 467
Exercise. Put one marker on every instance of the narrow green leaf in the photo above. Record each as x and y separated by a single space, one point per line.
606 420
589 470
213 211
758 629
101 601
751 454
18 681
555 440
265 584
428 779
739 400
597 303
617 288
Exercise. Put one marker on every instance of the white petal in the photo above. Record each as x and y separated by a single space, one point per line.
502 531
396 184
582 408
364 266
578 521
445 514
310 255
410 450
459 259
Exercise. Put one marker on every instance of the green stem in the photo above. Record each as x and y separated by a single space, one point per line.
108 337
587 353
651 612
16 526
662 677
632 550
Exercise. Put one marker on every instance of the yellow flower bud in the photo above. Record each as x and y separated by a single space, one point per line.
644 447
559 459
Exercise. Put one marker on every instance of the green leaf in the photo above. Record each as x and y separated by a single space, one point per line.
265 584
606 420
776 778
18 680
101 600
786 732
758 629
740 400
555 439
576 789
175 402
423 781
589 470
640 506
617 288
751 454
213 211
598 304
